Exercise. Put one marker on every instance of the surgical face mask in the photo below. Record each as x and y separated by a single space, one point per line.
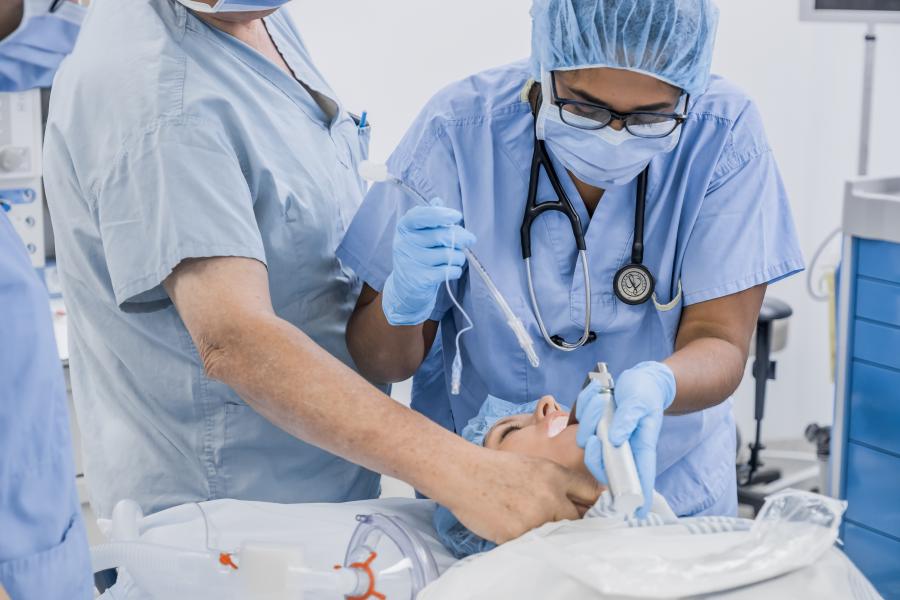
30 55
233 5
600 157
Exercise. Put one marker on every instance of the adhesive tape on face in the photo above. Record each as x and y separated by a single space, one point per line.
558 425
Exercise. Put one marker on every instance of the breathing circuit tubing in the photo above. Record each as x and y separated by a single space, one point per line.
274 571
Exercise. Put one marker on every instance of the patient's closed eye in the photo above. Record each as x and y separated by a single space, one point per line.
509 428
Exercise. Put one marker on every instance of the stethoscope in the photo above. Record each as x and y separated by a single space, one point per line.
633 283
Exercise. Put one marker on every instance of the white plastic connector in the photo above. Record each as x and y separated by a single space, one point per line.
126 518
456 375
271 571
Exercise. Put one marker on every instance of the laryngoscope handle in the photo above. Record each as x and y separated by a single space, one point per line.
618 462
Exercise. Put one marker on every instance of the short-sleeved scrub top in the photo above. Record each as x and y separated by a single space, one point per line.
717 222
170 140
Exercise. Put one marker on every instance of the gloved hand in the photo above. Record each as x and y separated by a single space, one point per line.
642 394
427 243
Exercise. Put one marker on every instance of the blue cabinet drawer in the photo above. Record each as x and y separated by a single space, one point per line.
873 489
875 407
877 556
877 343
878 300
879 259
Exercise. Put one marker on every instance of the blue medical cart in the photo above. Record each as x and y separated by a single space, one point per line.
865 452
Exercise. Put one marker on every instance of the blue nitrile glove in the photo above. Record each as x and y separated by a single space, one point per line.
642 393
427 243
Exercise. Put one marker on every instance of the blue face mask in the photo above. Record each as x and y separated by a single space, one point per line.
30 55
233 5
600 157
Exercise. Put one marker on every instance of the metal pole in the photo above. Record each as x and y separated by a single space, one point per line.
868 85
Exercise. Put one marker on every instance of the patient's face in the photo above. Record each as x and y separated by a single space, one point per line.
545 433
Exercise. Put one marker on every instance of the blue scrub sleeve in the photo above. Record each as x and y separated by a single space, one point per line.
43 550
744 234
175 192
424 161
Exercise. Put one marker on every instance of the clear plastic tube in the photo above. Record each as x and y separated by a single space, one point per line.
512 320
385 557
379 172
168 572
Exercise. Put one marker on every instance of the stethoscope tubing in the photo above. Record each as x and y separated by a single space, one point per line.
562 204
586 335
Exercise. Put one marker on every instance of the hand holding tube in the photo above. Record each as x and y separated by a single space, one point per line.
428 246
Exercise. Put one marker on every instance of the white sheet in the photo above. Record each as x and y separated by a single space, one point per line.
605 558
324 530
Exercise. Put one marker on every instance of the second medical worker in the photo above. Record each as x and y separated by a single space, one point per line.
200 173
630 210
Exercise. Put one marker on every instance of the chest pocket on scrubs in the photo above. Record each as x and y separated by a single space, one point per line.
494 339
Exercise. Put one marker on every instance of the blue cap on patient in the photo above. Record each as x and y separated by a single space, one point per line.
492 410
671 40
454 535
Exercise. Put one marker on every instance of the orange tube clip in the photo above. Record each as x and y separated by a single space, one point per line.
225 559
366 567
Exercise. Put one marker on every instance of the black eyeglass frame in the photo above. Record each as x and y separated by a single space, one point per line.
676 118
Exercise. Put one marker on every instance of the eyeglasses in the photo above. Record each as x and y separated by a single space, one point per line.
57 4
591 116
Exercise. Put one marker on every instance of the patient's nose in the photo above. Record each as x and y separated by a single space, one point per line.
547 405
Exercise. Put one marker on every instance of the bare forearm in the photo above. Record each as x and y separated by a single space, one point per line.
287 378
711 349
707 371
384 352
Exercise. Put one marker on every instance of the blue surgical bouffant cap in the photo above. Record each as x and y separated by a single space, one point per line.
492 410
671 40
454 535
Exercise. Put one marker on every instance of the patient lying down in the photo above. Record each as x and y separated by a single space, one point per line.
541 429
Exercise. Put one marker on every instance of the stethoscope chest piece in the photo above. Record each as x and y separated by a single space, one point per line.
633 284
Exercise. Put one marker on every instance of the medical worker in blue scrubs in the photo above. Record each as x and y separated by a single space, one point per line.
36 36
43 545
200 174
613 88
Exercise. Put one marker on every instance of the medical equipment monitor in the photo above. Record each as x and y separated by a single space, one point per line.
866 11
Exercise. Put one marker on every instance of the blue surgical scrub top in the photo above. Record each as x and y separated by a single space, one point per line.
43 546
169 140
717 222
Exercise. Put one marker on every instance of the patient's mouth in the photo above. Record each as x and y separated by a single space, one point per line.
557 425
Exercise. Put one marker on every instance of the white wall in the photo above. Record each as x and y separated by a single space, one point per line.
388 57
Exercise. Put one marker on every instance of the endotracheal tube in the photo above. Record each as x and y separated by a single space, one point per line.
378 172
